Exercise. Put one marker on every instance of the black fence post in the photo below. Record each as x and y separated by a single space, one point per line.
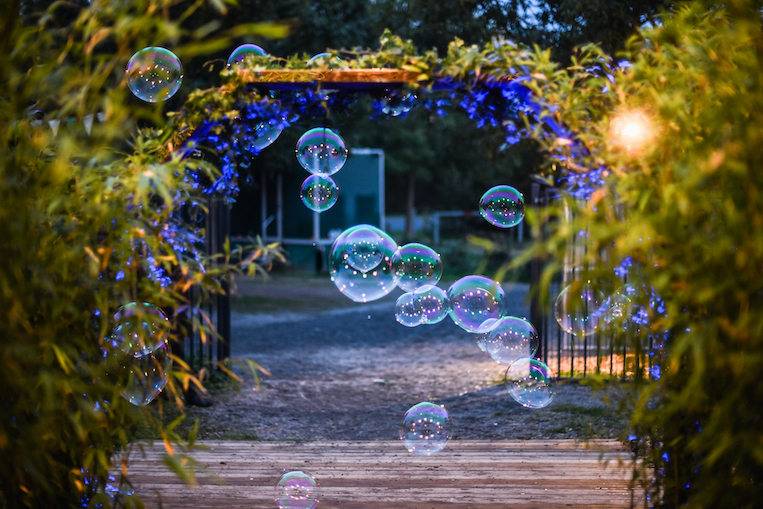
537 316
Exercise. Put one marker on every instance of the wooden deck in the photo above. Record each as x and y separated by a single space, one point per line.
466 475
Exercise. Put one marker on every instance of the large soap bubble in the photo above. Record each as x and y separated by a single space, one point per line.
502 206
297 490
319 193
426 429
148 374
408 310
578 309
321 151
240 53
140 327
434 303
474 299
531 383
358 285
511 339
365 248
154 74
483 333
416 265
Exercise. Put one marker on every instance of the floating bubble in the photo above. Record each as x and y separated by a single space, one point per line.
147 375
426 429
511 339
358 285
297 490
618 308
434 303
154 74
416 265
474 299
365 249
326 59
240 53
319 193
396 102
578 309
502 206
408 310
531 383
263 135
483 332
140 327
321 151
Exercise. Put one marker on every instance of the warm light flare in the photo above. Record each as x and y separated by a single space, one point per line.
632 130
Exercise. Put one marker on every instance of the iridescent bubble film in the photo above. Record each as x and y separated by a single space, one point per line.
531 383
324 59
434 303
618 308
502 206
147 375
358 285
154 74
578 309
319 193
321 151
483 332
511 339
365 249
474 299
140 327
416 265
396 102
426 429
263 135
297 490
408 310
240 53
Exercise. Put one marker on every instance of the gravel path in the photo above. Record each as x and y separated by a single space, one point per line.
350 373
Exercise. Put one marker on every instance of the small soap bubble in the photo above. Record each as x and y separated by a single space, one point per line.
483 332
321 151
263 135
502 206
154 74
297 490
365 249
511 339
416 265
434 303
240 53
396 102
531 383
319 193
408 310
578 309
474 299
148 374
356 284
426 429
139 327
324 59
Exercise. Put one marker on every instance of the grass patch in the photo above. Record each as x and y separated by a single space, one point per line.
591 411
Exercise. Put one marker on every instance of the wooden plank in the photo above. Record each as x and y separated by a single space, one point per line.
466 475
375 76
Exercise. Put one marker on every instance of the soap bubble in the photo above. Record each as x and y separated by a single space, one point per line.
297 490
396 102
365 249
426 429
324 59
147 374
140 327
511 339
408 310
263 135
483 332
434 303
319 193
356 284
618 308
578 309
240 53
474 299
154 74
502 206
321 151
531 383
416 265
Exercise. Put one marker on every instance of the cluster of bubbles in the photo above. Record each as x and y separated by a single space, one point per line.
426 429
154 74
141 334
322 152
297 490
